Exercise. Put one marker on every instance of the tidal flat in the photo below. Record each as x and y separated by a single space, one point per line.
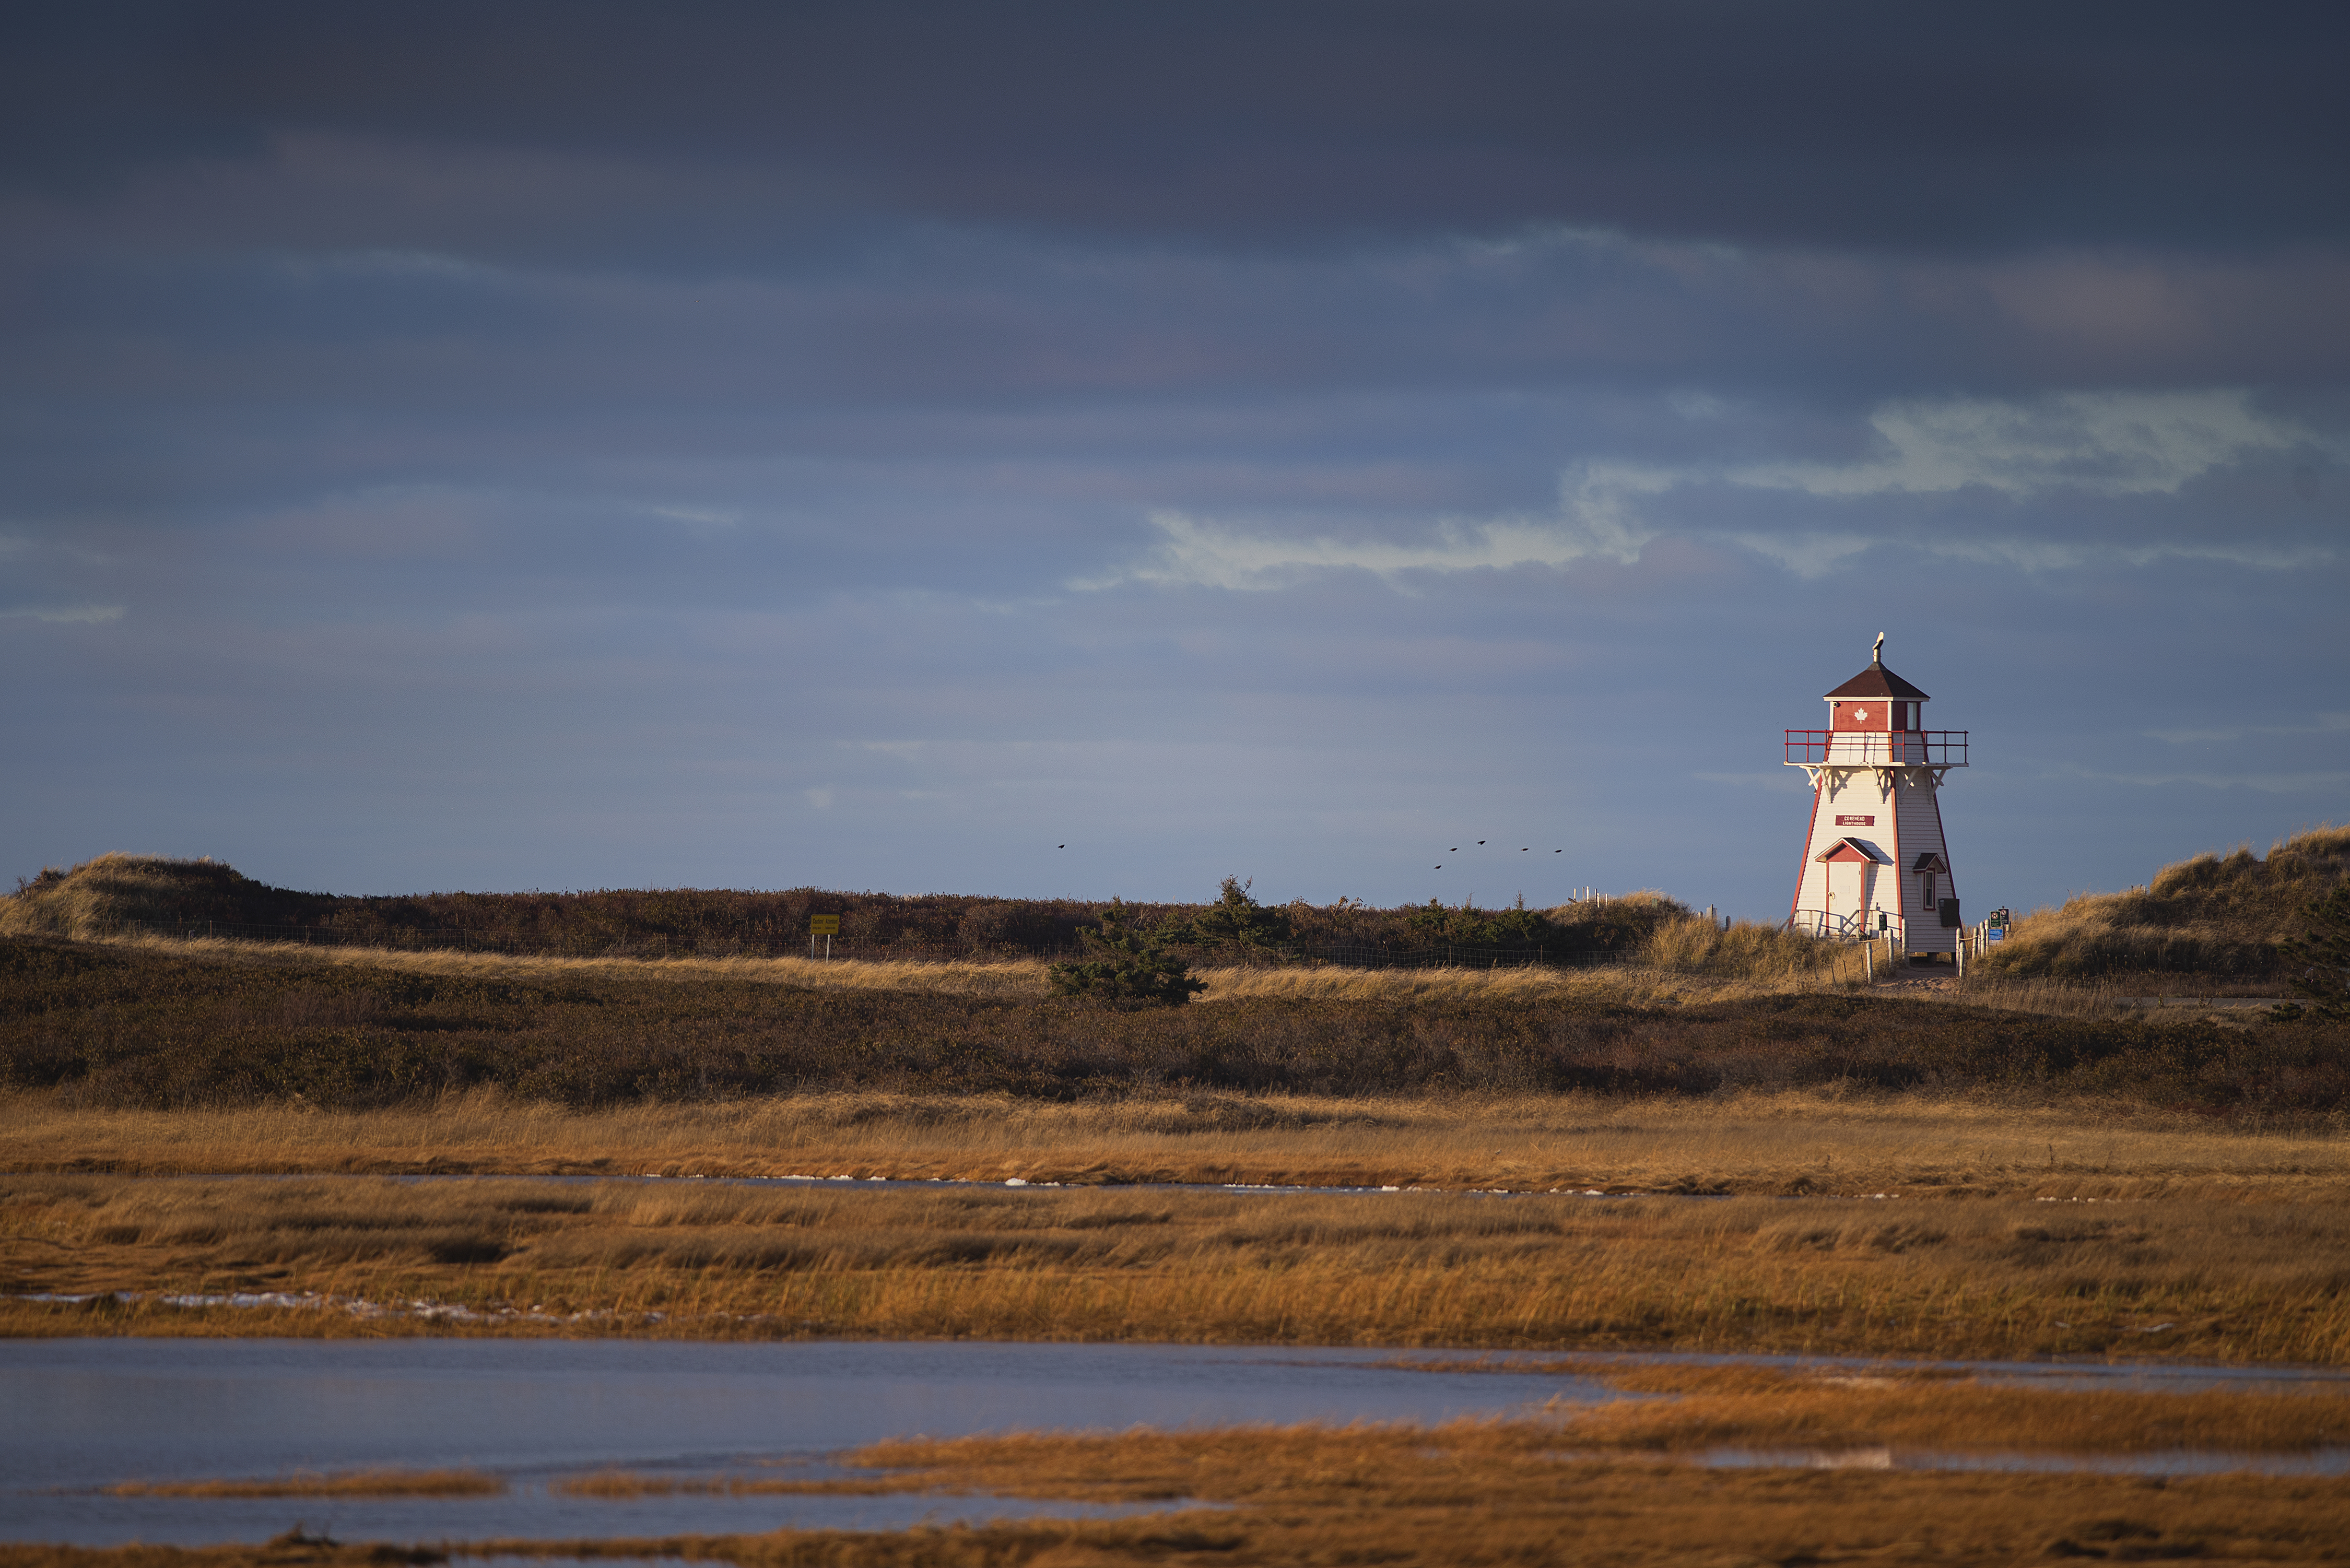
214 1152
658 1449
2228 1267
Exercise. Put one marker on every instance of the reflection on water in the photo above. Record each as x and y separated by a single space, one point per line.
529 1511
84 1413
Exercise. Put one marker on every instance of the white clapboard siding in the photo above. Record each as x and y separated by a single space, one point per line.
1921 831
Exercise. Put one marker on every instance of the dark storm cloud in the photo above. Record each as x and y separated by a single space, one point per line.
1853 124
497 444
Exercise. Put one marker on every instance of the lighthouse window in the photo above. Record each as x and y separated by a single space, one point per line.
1929 890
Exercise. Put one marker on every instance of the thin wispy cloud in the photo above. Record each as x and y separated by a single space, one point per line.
2100 444
1596 522
699 517
2097 443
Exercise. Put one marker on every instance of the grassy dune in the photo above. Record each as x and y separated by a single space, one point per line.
2213 915
118 894
2233 1270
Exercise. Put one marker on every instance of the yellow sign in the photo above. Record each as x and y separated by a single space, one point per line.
824 925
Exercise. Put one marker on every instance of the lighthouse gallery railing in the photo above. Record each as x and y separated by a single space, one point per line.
1877 748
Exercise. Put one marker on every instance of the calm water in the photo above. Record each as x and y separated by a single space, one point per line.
80 1414
84 1413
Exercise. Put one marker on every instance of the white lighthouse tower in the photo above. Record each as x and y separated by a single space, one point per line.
1875 862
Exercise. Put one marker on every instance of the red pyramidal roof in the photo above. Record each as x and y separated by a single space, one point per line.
1878 681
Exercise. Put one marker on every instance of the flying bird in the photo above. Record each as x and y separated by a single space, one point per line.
1060 846
1455 850
1481 841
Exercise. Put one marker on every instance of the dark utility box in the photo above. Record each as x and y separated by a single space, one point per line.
1949 907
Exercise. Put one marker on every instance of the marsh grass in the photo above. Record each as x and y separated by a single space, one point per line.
1482 1492
1503 1493
1454 1496
1839 1139
1705 1409
1766 1408
2224 1276
353 1483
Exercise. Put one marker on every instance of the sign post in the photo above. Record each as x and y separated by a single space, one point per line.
823 926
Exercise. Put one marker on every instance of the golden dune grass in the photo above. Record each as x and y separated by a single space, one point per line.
1775 958
106 890
1685 962
1029 977
2210 914
1822 1141
1007 977
354 1483
2241 1278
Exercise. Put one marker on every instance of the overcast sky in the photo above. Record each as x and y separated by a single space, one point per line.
505 445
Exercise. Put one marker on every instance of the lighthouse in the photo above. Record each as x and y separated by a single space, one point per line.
1875 862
